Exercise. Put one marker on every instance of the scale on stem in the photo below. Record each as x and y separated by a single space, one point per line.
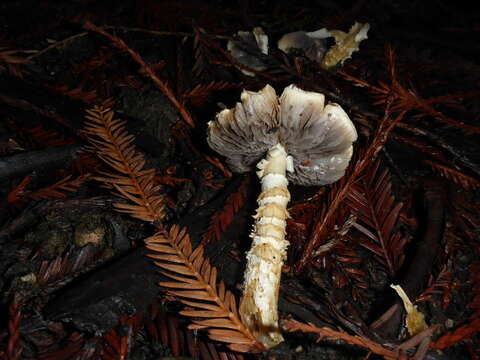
294 137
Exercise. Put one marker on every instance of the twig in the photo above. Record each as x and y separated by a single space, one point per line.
57 44
65 41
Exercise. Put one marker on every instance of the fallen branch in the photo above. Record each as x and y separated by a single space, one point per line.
24 163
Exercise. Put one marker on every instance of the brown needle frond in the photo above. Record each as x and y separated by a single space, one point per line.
169 330
385 127
333 335
442 285
129 179
406 99
324 224
371 201
57 190
14 343
465 181
202 93
387 351
343 262
194 279
224 217
453 337
195 285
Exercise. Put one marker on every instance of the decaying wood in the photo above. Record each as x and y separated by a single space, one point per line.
31 215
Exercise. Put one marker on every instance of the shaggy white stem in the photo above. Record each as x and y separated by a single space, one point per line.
258 306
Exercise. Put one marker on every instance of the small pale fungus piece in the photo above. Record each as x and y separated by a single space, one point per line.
415 320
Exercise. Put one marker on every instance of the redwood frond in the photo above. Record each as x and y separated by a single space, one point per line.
333 335
421 146
14 343
443 285
18 192
475 288
118 342
346 271
128 178
467 330
170 330
195 280
78 93
65 265
451 338
465 181
57 190
202 93
371 201
406 99
224 217
46 137
324 223
212 307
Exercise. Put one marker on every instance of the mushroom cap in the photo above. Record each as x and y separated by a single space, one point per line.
318 138
313 44
246 48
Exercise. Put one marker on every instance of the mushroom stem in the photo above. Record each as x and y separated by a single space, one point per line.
258 306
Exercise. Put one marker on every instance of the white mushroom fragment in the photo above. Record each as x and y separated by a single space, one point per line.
292 138
313 44
345 45
415 320
247 48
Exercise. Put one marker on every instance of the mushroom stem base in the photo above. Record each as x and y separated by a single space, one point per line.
258 306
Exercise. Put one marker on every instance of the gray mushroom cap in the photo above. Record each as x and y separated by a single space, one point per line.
313 44
319 138
247 47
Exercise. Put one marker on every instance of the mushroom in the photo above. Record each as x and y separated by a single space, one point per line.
313 44
345 45
248 47
292 138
